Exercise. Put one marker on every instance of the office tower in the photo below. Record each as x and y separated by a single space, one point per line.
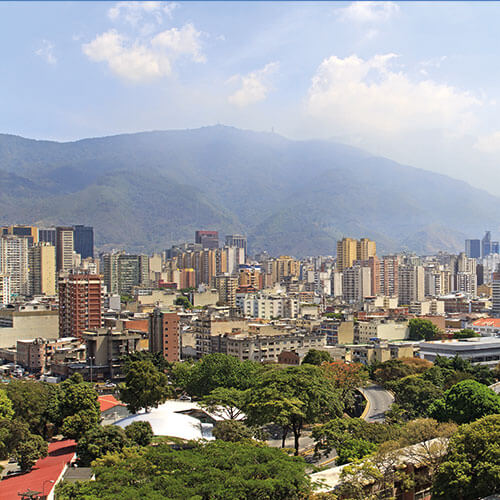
110 271
14 262
122 272
486 244
29 232
356 283
238 241
365 249
84 240
347 253
496 295
226 286
42 266
495 247
164 334
473 248
233 258
411 284
389 276
207 239
64 248
48 235
480 274
5 292
80 303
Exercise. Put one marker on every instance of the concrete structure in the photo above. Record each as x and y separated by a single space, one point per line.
496 295
27 322
381 329
473 248
14 262
5 290
424 307
80 303
267 305
64 248
411 284
346 253
337 331
356 283
164 334
237 240
42 269
482 350
226 286
105 349
207 239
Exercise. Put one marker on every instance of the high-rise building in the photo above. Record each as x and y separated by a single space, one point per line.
14 262
29 232
122 272
47 235
80 303
164 334
411 284
284 267
5 293
495 311
226 286
356 283
495 247
347 253
110 271
42 268
486 244
207 239
365 249
389 276
473 248
84 240
238 241
64 248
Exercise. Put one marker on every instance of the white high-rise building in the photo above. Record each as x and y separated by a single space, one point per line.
14 262
411 284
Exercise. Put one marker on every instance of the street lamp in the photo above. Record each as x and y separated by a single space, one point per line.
43 485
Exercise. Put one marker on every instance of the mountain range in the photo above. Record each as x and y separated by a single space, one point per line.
149 190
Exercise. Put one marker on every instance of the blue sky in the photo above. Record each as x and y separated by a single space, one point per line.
418 82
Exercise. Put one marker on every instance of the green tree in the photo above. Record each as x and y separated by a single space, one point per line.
292 397
12 432
423 329
99 441
145 386
464 402
183 301
315 357
471 467
466 333
29 451
225 401
75 426
157 358
217 470
140 433
220 370
354 449
29 402
232 430
415 394
396 369
6 409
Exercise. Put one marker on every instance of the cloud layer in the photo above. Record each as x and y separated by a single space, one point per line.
254 86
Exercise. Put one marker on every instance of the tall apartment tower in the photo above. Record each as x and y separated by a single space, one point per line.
365 249
226 286
486 244
238 241
356 283
347 253
84 240
389 276
42 265
110 271
411 284
30 232
14 262
64 248
80 303
207 239
5 293
164 334
473 248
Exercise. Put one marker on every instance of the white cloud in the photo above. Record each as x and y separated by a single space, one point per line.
254 86
135 12
145 59
488 143
353 96
369 12
46 52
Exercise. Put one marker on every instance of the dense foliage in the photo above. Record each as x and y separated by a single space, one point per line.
215 471
423 329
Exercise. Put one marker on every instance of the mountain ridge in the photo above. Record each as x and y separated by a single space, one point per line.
148 190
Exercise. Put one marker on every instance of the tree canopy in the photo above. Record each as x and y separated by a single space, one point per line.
423 329
100 440
215 471
315 357
145 386
471 468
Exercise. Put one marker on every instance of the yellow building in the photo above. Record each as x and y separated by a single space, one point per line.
42 269
365 249
346 253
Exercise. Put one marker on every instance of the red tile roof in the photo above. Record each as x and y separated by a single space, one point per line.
495 322
108 401
46 469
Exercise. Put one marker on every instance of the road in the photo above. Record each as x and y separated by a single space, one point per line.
379 400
